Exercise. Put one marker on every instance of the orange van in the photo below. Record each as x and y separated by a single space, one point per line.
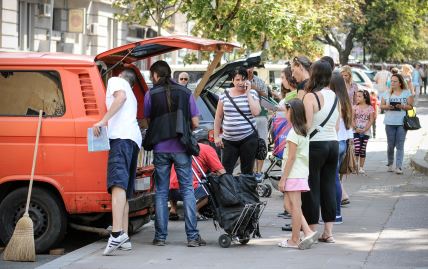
70 182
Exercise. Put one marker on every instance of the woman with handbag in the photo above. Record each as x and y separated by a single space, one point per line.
337 84
322 114
395 104
236 112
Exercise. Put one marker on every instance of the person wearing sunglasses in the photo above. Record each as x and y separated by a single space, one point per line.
300 68
183 79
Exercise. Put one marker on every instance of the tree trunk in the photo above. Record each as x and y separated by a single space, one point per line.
349 45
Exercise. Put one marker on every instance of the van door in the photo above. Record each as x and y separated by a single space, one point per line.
23 92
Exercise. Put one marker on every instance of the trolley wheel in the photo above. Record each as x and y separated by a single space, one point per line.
244 241
268 190
261 190
224 241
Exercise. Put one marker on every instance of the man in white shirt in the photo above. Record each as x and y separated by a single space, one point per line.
125 142
381 78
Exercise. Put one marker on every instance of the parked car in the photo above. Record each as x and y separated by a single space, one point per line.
360 77
70 182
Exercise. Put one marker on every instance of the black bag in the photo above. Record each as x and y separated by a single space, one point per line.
192 146
226 189
411 123
262 152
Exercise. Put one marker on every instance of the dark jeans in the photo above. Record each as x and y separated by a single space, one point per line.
182 164
244 149
323 158
424 85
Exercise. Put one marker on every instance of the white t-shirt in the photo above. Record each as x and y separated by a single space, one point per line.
124 123
300 167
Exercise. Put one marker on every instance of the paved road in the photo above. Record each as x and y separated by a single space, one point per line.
385 226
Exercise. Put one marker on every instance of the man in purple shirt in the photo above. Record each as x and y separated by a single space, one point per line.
171 112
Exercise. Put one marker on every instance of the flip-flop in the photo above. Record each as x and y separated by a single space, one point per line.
201 218
328 239
284 244
308 241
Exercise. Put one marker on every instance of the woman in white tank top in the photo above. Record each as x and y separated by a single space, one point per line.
321 104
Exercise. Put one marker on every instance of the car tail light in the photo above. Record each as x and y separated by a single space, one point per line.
211 136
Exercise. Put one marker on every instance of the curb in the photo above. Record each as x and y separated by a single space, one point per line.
418 161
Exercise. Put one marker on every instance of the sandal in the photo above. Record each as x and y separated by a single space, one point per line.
345 202
284 244
173 216
308 241
201 218
328 239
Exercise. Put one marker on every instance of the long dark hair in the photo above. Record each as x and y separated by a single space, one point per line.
337 84
289 77
297 116
366 96
163 71
320 76
401 80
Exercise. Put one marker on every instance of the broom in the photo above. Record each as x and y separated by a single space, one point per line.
21 245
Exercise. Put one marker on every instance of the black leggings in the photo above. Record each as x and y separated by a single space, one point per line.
360 142
244 149
323 158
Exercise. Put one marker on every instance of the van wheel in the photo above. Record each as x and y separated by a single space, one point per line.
46 212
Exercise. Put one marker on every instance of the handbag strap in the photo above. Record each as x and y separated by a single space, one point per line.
240 112
317 129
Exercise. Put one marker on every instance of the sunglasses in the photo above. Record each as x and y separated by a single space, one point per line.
184 79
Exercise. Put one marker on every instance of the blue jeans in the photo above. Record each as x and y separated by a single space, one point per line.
395 135
342 151
182 163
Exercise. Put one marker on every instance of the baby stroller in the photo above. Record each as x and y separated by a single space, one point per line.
235 204
279 131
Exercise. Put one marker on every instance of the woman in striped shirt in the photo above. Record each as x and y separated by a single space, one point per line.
239 139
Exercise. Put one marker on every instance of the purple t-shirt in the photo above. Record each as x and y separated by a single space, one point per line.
172 145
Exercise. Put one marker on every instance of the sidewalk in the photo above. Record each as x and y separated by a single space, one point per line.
385 226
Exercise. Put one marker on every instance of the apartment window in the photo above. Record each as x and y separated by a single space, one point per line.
24 93
26 22
112 33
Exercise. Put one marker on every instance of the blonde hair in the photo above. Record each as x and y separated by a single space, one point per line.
347 69
406 70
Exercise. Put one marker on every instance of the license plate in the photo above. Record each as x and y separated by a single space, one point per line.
142 184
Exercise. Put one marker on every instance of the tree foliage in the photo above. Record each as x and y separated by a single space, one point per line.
140 11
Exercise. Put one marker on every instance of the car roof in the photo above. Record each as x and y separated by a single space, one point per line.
150 47
44 58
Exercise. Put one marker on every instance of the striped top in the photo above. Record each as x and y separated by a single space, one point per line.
236 127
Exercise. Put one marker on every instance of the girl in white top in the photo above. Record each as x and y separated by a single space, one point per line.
294 179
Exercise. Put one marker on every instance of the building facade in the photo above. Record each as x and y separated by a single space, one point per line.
72 26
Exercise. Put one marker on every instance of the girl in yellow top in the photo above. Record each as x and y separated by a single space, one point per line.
294 179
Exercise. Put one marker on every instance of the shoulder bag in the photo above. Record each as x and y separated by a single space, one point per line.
411 123
261 145
349 163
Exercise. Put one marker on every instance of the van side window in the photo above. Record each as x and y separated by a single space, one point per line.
24 93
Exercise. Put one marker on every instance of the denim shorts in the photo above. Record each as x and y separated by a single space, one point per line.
122 165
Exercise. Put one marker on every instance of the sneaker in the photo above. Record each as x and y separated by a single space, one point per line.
399 171
390 169
361 171
284 215
196 242
126 246
115 243
338 220
159 242
259 177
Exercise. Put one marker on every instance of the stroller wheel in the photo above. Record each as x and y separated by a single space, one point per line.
244 241
261 190
268 190
224 241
